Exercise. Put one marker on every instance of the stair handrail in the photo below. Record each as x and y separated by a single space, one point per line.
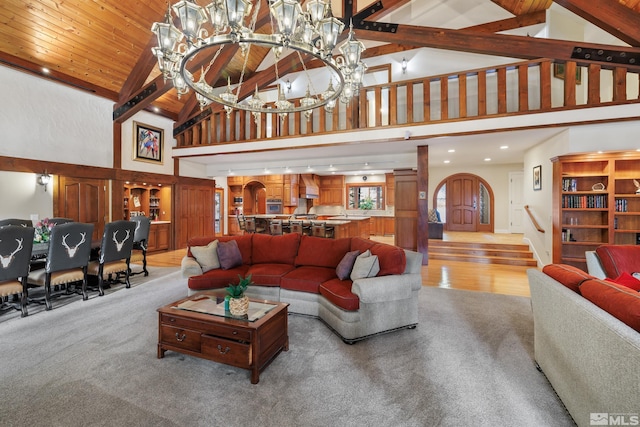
533 220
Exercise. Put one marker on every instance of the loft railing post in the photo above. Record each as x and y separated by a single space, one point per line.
523 87
482 93
593 95
444 98
410 102
502 90
619 84
570 82
545 85
426 100
462 95
393 104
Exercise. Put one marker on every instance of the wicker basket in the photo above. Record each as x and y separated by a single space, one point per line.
239 306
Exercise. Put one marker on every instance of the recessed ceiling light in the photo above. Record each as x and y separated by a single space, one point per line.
487 159
156 109
504 147
451 151
447 161
45 70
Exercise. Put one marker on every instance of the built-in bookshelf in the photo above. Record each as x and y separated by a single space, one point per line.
595 203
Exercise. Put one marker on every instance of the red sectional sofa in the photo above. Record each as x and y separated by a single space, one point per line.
301 270
587 333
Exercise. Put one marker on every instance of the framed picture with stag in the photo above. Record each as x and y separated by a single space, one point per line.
148 143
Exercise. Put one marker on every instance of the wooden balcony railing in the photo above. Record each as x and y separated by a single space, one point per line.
521 88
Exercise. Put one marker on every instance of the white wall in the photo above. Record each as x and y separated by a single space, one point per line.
22 196
44 120
497 176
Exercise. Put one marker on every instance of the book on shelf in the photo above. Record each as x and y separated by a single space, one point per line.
569 184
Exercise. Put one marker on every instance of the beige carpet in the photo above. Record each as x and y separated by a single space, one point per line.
93 363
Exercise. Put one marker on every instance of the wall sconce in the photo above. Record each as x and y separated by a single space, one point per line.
288 85
404 65
44 180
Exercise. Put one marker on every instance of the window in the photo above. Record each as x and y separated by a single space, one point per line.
365 196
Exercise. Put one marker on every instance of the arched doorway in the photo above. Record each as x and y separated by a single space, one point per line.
465 203
254 198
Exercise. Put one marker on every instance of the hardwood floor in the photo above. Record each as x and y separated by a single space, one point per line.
499 279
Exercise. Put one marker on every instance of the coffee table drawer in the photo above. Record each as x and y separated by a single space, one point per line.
178 337
226 351
209 328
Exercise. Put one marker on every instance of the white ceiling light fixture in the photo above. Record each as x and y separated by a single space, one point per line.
310 34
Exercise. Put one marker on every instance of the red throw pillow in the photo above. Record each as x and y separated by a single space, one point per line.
625 279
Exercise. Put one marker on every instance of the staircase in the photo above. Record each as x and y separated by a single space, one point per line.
484 253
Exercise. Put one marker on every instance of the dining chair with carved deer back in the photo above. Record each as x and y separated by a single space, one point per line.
67 259
16 243
16 221
140 243
115 253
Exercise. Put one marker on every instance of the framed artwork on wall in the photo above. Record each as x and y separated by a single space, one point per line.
148 143
537 178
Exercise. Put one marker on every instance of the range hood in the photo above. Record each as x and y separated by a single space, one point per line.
308 187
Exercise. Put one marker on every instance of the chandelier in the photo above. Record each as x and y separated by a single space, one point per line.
306 35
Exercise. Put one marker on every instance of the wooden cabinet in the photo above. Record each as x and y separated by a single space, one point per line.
291 189
233 226
159 237
332 188
275 191
390 189
377 226
382 225
389 226
595 203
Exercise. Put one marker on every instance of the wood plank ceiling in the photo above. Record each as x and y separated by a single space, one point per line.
104 47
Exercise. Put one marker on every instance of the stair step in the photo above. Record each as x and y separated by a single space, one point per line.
433 243
484 253
525 262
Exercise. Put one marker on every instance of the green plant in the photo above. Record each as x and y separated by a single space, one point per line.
237 291
366 203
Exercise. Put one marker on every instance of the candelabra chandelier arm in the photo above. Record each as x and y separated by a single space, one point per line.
313 33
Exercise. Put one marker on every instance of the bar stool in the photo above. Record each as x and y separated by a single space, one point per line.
295 226
318 229
275 227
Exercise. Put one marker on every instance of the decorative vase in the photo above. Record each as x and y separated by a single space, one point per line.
239 306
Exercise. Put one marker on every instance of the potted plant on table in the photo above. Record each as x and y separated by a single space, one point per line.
238 301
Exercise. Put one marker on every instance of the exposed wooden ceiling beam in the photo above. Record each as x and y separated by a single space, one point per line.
526 20
493 44
140 71
610 15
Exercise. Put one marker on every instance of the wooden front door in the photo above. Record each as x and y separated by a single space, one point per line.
462 203
82 200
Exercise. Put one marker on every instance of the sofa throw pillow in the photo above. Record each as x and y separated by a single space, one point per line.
229 254
343 270
207 256
366 265
626 279
432 216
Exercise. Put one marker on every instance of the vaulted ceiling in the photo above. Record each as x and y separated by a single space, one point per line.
104 47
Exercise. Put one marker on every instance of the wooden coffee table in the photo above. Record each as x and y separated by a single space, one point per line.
187 326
